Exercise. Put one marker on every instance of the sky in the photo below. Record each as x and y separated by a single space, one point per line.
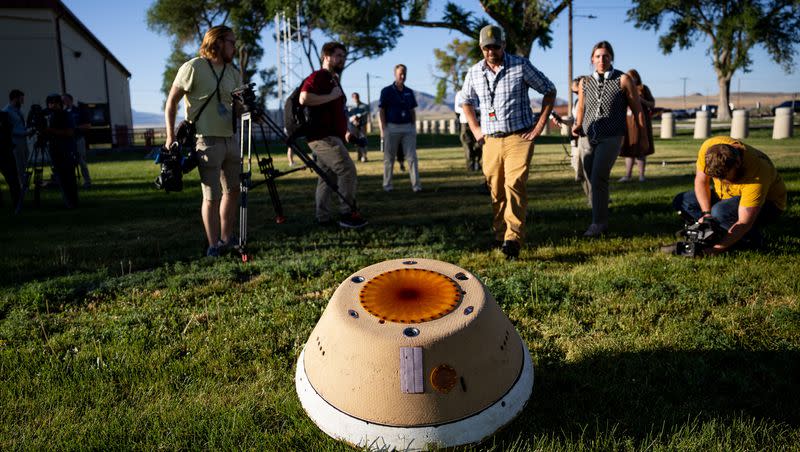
122 28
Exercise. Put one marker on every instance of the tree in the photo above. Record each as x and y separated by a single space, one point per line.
524 21
454 62
368 28
734 27
176 59
186 21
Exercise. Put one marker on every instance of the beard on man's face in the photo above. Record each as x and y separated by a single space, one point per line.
338 68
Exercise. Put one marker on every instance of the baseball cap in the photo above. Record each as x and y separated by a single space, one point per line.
491 35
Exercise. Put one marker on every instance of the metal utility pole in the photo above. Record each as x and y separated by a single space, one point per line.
369 101
569 70
369 106
684 91
278 56
569 59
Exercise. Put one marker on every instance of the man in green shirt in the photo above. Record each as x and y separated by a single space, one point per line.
219 160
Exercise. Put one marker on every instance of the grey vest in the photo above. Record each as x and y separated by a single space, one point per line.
604 107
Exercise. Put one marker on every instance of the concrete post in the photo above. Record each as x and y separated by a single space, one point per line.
442 126
702 125
419 126
451 126
426 126
667 125
740 124
782 128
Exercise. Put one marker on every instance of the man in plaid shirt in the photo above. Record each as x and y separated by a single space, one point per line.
499 85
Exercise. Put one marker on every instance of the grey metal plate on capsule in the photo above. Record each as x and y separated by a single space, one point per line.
411 381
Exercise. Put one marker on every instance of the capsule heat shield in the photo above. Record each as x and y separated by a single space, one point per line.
411 353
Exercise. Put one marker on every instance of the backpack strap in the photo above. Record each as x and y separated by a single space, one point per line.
216 90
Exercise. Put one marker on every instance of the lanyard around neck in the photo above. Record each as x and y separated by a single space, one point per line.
218 79
491 87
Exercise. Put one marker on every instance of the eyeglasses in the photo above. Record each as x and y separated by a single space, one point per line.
494 47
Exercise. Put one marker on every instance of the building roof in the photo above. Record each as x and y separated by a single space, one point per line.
62 11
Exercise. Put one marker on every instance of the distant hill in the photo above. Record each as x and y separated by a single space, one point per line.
429 110
145 120
739 100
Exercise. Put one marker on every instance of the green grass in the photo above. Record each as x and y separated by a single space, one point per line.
115 332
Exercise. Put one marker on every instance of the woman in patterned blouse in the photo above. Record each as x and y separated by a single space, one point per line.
603 100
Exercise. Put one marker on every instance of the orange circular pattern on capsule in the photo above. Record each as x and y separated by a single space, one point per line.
410 295
443 378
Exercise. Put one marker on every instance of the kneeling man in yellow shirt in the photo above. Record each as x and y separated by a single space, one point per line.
748 192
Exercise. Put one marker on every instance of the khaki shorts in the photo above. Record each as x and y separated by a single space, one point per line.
219 166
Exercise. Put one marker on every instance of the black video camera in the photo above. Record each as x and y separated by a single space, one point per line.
173 165
171 176
245 96
359 141
36 123
698 237
37 119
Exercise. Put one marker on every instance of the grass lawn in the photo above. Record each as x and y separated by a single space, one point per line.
115 332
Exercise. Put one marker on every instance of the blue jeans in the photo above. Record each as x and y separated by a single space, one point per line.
725 211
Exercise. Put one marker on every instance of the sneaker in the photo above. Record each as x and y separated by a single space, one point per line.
227 245
416 190
642 179
352 220
624 179
212 251
595 230
511 249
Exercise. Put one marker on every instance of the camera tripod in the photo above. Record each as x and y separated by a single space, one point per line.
61 168
36 165
265 165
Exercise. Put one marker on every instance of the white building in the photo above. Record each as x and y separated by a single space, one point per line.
46 49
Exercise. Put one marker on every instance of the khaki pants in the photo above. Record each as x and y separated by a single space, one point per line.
398 135
505 164
219 166
333 158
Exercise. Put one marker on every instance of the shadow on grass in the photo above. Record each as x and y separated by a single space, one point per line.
642 393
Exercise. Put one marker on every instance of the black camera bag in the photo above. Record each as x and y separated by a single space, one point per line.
187 130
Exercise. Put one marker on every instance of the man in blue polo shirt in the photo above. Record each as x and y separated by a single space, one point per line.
398 128
499 84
